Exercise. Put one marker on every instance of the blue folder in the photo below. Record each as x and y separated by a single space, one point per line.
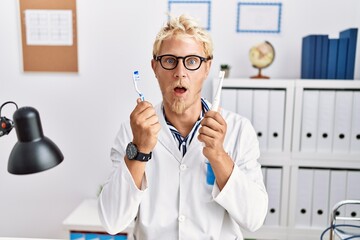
350 34
332 58
308 57
342 58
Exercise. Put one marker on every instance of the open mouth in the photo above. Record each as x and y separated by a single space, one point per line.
180 90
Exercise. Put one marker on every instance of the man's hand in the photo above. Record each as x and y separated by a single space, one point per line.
145 126
212 134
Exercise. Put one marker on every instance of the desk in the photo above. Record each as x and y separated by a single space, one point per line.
84 223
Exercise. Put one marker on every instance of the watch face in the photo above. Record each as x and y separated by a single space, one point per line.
131 151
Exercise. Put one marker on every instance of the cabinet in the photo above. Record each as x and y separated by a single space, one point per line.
309 137
84 223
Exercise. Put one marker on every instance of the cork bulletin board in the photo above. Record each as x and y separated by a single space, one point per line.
49 35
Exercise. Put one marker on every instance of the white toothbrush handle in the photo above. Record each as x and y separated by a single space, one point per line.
216 102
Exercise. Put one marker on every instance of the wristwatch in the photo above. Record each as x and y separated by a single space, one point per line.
132 153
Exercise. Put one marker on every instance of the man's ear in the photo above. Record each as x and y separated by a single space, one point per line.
208 66
153 65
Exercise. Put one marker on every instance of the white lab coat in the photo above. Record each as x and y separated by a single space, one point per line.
175 201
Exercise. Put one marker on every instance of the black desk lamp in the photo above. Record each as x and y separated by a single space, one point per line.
33 152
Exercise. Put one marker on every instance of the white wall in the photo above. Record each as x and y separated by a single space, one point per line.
81 112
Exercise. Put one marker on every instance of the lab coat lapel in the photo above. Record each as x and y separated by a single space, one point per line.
165 138
194 146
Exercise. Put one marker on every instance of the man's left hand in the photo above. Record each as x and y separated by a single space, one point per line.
212 134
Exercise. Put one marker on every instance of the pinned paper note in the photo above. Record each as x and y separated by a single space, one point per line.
49 27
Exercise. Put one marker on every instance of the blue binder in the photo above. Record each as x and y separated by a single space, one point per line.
342 58
350 34
308 57
320 53
324 56
332 58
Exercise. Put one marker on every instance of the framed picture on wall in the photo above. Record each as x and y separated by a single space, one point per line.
258 17
200 10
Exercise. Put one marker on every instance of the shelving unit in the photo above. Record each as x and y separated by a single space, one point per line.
291 159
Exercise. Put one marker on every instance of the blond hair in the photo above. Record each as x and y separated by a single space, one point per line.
184 25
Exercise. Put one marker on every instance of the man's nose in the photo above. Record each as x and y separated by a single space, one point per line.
180 70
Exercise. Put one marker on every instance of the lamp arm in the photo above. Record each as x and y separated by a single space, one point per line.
6 124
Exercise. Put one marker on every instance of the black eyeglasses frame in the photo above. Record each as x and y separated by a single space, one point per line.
202 59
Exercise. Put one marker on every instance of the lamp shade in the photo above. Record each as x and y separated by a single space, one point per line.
33 152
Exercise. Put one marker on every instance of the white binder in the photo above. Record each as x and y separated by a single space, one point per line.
325 121
245 103
309 120
352 193
338 180
304 198
276 120
263 170
228 99
320 201
355 124
342 121
260 116
273 187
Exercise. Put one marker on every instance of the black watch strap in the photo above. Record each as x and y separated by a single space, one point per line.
143 157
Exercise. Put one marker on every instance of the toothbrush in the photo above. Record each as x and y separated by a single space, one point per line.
216 102
136 79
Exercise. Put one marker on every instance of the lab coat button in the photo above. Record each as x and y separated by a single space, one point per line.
181 218
183 167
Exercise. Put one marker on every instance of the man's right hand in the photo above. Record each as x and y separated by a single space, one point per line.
145 126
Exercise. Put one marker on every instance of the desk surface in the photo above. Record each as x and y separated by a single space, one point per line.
85 218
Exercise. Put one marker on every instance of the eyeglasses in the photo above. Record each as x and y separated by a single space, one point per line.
191 62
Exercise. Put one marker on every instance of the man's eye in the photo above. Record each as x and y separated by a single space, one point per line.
170 60
191 61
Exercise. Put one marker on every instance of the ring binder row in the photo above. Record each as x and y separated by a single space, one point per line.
265 108
330 118
316 162
330 121
318 190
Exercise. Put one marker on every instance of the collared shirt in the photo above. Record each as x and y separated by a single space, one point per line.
184 142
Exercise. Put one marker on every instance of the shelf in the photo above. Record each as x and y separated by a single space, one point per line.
258 83
328 84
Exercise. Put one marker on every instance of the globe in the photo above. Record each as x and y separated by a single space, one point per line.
261 56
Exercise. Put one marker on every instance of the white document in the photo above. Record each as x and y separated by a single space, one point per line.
228 99
309 121
320 202
338 179
355 124
342 121
49 27
304 198
273 187
260 116
353 193
276 120
245 103
325 128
